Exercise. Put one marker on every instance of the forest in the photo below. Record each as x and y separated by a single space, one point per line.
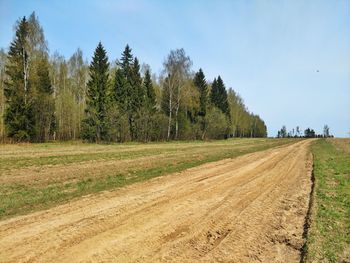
46 97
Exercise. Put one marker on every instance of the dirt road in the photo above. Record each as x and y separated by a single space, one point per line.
248 209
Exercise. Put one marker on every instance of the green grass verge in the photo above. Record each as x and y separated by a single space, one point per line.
329 234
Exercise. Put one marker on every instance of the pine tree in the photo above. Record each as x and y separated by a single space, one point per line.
95 125
19 114
201 84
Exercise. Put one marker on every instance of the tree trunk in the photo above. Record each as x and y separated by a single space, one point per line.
170 113
176 122
177 111
25 73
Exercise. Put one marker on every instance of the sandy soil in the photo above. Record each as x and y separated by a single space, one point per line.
248 209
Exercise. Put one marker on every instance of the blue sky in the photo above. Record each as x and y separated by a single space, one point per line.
268 51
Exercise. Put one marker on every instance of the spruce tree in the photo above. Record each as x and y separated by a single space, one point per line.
137 94
150 94
95 125
223 102
125 78
120 94
126 61
201 84
19 114
214 93
128 88
219 95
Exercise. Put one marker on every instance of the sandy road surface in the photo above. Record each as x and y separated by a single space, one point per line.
248 209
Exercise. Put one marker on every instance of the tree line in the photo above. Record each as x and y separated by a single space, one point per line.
308 133
46 97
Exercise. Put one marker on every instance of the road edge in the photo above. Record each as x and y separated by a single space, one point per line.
309 214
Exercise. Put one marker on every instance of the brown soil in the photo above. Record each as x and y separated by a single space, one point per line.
248 209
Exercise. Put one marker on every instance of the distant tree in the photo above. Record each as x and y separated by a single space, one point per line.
36 37
217 124
215 94
123 81
176 71
309 133
124 92
223 97
202 86
150 93
190 123
40 81
77 78
95 125
19 114
128 89
283 132
66 106
237 111
326 131
219 95
138 94
44 104
29 94
147 111
126 61
120 91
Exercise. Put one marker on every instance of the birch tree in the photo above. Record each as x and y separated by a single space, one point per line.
176 71
19 114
